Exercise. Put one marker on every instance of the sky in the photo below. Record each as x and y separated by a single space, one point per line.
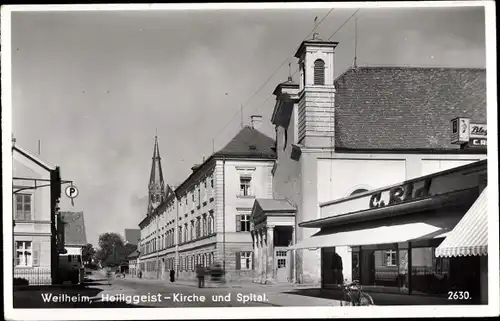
95 87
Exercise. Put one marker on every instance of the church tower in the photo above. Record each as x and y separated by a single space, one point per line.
156 185
316 93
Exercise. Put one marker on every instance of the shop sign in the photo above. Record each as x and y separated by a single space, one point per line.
460 130
478 142
399 194
477 131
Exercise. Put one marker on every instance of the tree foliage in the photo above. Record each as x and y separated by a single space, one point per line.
112 250
88 253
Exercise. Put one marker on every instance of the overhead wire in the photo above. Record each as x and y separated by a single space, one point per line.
329 38
265 83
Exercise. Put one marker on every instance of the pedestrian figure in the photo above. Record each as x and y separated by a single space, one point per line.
200 275
337 269
172 275
140 274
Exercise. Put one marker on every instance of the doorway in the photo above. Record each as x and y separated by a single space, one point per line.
282 264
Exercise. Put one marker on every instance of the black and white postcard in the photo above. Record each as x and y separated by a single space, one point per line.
263 160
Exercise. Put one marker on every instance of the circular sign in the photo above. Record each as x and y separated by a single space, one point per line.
71 191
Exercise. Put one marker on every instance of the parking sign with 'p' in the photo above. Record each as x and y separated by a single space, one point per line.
71 191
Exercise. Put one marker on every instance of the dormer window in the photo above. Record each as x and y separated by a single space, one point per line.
319 72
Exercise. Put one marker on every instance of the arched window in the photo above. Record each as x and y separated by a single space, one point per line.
319 72
359 191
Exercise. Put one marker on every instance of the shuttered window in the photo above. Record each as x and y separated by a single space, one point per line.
244 260
238 223
243 223
36 253
319 72
238 261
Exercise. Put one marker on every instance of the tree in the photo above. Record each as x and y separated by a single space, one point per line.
88 253
112 251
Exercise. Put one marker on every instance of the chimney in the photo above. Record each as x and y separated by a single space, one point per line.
256 121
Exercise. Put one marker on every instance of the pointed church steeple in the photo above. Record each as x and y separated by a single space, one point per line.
156 184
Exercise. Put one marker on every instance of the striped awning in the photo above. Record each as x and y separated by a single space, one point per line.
470 236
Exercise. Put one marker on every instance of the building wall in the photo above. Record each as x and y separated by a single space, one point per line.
324 176
37 229
225 240
342 174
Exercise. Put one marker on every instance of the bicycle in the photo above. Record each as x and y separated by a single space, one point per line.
353 296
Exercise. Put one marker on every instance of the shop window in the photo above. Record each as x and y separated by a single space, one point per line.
390 258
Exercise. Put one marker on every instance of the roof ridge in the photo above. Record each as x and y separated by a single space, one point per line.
35 157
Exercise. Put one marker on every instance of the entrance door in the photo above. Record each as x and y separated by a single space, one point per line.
281 265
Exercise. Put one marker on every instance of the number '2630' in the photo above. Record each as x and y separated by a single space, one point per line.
458 295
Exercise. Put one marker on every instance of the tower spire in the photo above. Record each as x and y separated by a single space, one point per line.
156 183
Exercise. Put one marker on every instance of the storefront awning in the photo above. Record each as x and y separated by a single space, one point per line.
470 236
379 235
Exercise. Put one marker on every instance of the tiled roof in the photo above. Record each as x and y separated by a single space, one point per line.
74 229
248 143
405 108
274 205
132 235
251 143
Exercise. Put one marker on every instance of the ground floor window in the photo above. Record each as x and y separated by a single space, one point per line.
410 268
23 253
244 260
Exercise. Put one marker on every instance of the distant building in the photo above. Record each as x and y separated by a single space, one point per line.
207 218
132 236
133 264
75 237
36 190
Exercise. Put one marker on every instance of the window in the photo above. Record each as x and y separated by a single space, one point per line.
192 230
198 230
243 223
204 226
244 260
210 224
23 207
185 232
390 258
211 182
192 196
180 234
319 72
23 253
245 186
281 263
